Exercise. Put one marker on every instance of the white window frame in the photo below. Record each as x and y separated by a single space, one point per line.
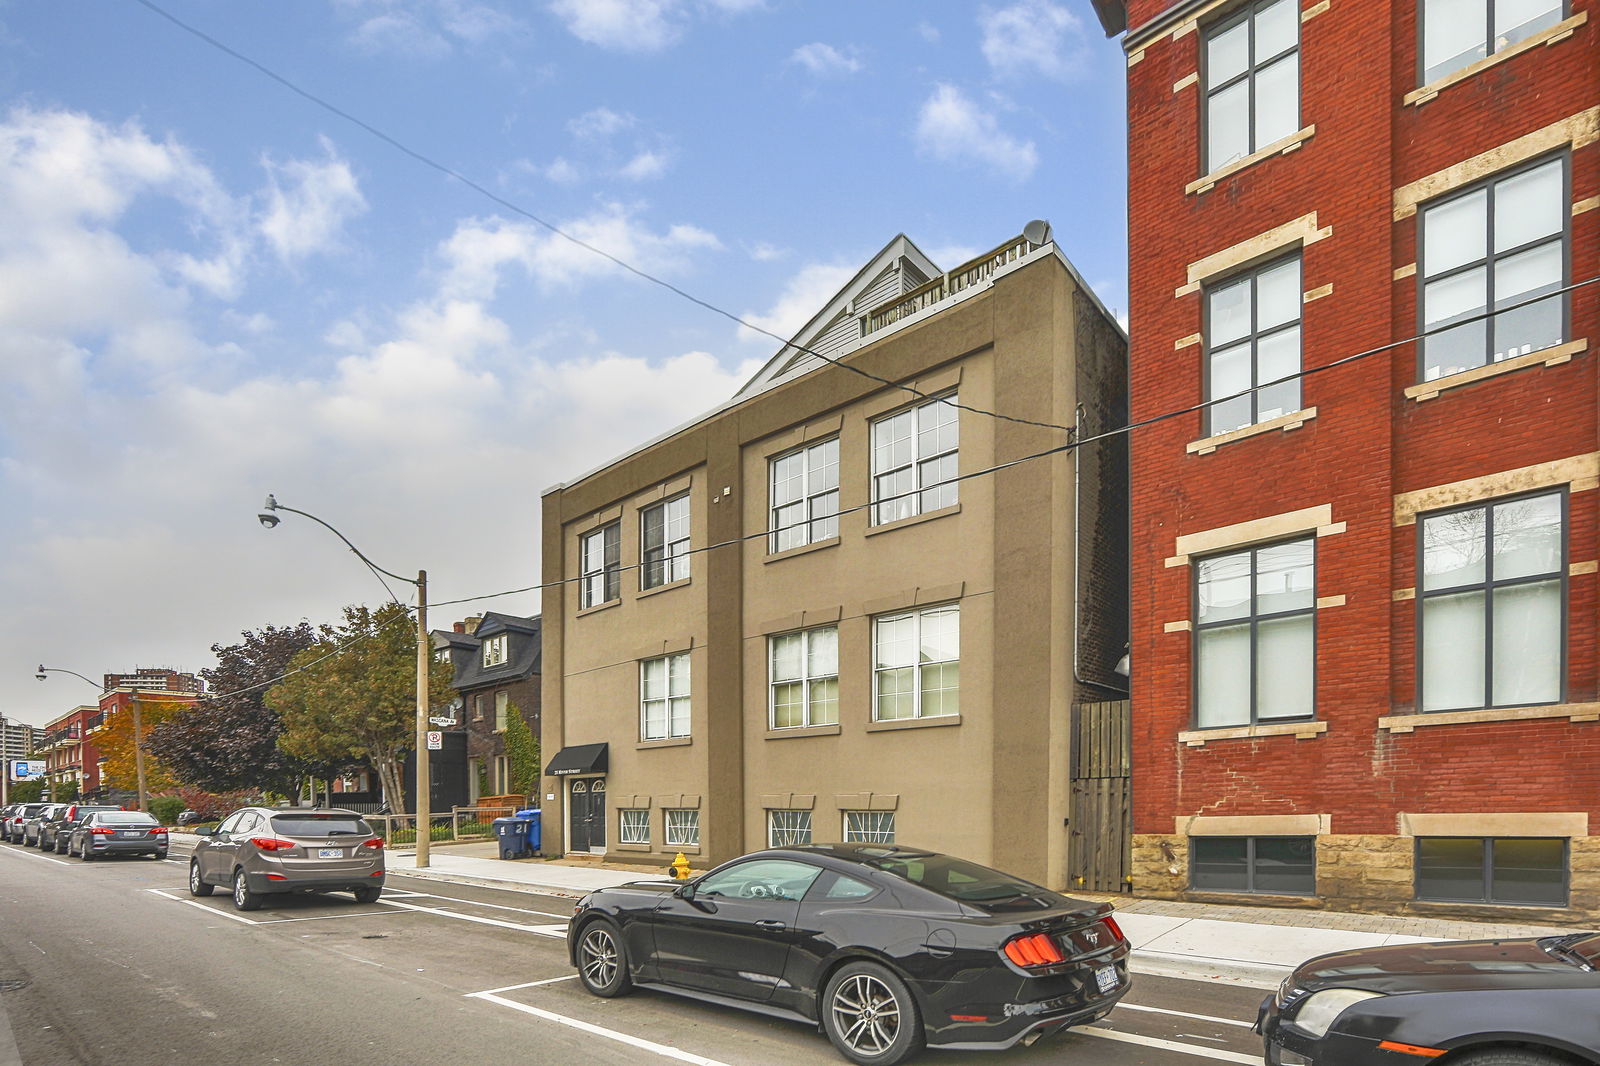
673 724
667 561
803 507
494 650
683 827
910 450
806 679
919 617
634 830
797 831
869 827
600 565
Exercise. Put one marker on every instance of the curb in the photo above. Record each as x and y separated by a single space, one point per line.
1194 968
485 882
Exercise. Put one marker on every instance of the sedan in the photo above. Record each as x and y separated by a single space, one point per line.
55 830
33 824
1533 1002
886 948
261 852
106 833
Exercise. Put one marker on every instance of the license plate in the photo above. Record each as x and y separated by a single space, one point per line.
1106 978
330 853
130 833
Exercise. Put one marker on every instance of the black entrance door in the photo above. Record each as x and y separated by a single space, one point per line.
588 815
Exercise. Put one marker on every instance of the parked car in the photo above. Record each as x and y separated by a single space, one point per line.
259 852
886 947
11 829
35 821
118 832
190 817
56 828
1526 1002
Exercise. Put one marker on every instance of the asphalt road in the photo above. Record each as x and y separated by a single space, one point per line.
113 962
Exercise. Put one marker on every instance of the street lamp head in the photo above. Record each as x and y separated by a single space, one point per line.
40 674
268 520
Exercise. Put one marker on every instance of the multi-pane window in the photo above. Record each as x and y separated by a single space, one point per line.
1252 338
917 657
494 650
1254 635
1499 243
871 827
664 541
914 458
1458 33
804 496
1531 871
1252 80
600 566
1493 604
664 697
502 708
634 827
683 827
1282 866
804 678
787 828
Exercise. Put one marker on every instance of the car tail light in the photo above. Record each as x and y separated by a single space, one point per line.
273 844
159 831
1111 924
276 877
1034 951
101 831
376 844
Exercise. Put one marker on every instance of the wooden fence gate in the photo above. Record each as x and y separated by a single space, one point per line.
1100 826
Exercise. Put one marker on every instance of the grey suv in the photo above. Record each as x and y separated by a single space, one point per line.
262 851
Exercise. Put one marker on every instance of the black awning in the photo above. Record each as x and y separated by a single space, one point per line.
578 759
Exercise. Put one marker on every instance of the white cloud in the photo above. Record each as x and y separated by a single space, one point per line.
1033 37
639 25
928 32
599 124
953 129
645 166
308 203
801 299
425 29
563 171
762 252
825 61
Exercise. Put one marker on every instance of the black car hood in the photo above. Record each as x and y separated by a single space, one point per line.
1447 966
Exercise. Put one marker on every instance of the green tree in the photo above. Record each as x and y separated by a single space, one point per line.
354 695
522 752
27 791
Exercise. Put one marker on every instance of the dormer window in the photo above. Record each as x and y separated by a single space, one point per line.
494 650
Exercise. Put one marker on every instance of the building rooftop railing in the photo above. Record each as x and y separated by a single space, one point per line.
972 272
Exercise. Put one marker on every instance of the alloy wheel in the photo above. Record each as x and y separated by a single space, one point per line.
866 1014
599 958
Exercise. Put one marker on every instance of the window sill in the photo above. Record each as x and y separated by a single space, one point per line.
1572 712
1292 420
1199 738
1281 146
687 849
597 608
791 732
1250 899
914 723
669 586
1560 31
632 847
669 742
1561 353
916 519
814 546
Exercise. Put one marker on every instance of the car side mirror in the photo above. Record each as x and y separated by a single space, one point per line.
204 831
685 891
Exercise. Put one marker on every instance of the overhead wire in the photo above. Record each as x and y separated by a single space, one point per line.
617 261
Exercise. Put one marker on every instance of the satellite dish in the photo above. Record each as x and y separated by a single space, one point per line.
1037 231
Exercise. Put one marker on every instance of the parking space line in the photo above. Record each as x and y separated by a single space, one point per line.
542 930
320 917
31 855
1125 1005
475 903
202 906
664 1050
1169 1045
531 984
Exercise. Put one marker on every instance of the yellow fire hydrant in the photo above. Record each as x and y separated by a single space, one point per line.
680 867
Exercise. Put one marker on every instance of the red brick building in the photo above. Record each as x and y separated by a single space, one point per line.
69 747
1365 595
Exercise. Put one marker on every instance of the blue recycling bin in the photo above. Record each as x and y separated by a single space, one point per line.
511 834
535 832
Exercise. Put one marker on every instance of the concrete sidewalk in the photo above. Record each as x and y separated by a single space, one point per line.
1249 946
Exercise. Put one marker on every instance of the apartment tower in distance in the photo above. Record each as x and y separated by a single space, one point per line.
790 622
1364 606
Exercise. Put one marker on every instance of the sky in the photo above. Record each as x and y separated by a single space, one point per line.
211 288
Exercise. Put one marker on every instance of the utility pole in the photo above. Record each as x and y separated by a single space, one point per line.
424 775
138 752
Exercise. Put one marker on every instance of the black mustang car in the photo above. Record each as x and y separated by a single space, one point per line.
1480 1002
886 948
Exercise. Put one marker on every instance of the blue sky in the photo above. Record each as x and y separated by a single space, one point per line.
211 289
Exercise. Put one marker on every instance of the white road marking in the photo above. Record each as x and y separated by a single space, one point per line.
1125 1005
475 903
202 906
542 930
319 917
1169 1045
31 855
664 1050
530 984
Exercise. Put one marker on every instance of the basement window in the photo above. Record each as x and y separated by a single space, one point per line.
1277 866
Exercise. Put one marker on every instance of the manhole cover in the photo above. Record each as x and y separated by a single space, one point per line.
12 986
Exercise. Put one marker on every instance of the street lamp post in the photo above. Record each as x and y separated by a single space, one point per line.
424 811
138 731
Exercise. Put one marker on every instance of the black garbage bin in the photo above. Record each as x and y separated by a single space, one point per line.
511 834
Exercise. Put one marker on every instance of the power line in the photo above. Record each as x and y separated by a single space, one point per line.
517 209
405 612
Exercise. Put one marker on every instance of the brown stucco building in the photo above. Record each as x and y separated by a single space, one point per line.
787 622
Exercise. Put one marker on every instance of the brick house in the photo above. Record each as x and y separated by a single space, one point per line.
496 659
1364 606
